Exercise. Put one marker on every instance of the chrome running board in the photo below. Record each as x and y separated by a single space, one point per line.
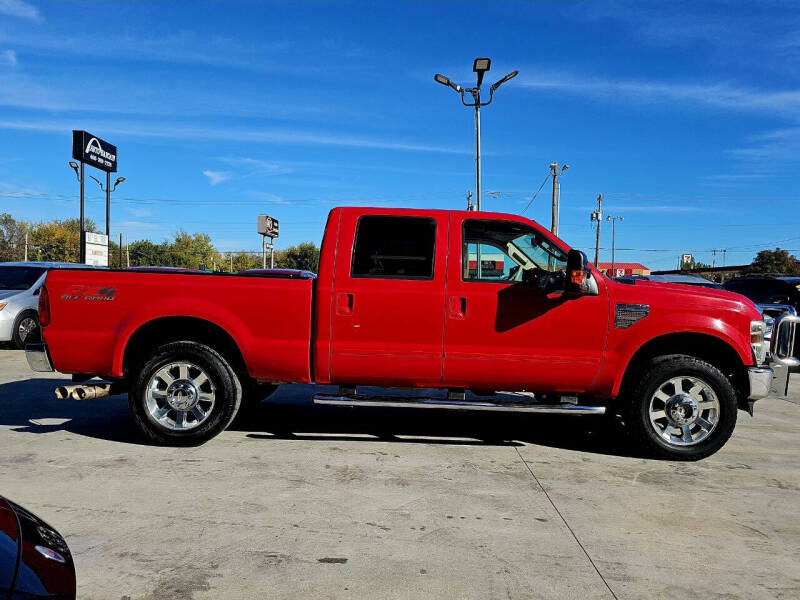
399 402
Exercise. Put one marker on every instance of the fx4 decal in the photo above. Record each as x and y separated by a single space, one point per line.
85 292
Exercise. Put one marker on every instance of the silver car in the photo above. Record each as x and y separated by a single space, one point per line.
20 283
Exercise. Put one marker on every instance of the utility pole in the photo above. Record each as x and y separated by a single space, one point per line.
120 250
263 252
479 66
597 216
556 196
127 252
26 246
469 200
613 220
713 258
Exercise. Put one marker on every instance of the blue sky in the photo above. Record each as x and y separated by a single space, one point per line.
686 116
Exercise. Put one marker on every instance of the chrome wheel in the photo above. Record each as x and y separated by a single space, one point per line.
684 411
26 327
180 396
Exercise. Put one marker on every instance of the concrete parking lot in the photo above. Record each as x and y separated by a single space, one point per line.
337 503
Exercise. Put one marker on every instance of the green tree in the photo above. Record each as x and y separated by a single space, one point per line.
304 256
12 238
775 261
56 240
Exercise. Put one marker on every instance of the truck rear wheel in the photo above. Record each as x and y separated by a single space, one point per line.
682 408
185 394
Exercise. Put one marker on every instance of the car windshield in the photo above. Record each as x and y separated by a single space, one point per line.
19 278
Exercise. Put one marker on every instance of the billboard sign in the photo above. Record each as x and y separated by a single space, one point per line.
93 151
268 226
95 248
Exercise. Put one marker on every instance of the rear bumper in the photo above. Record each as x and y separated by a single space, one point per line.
39 357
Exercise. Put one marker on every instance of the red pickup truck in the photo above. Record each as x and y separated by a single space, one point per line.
416 299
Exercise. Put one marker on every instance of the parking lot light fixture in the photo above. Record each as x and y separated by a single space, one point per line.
479 66
74 167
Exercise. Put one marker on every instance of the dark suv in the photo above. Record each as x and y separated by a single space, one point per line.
767 289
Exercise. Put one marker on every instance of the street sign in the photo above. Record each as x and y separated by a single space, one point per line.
96 248
268 226
93 151
687 259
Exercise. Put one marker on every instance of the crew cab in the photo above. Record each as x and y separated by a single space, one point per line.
457 300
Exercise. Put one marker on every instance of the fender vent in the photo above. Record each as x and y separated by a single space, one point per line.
626 315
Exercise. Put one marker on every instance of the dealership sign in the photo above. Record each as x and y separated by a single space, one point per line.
93 151
96 248
268 226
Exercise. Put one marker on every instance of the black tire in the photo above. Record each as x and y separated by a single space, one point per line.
21 335
222 381
658 373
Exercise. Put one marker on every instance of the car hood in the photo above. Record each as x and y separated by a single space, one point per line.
696 296
4 294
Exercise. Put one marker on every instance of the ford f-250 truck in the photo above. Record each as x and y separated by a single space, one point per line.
416 299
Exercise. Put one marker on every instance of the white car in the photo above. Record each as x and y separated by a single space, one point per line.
20 283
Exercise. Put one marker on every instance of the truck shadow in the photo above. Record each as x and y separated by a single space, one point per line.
30 406
291 415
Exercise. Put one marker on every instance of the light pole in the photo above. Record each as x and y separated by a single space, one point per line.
479 66
613 220
108 189
79 174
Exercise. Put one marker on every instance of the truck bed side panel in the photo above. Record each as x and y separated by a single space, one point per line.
95 313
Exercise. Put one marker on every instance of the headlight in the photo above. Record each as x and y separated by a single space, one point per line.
2 305
758 330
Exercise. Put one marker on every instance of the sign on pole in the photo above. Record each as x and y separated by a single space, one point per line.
268 226
687 259
95 248
93 151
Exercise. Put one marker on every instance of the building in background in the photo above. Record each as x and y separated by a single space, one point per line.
622 268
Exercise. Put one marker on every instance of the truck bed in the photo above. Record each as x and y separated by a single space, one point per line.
94 315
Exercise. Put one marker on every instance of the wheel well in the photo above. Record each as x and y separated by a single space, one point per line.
705 347
172 329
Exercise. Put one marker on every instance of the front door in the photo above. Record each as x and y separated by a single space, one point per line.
388 299
506 327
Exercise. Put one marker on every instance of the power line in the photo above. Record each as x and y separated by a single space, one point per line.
536 194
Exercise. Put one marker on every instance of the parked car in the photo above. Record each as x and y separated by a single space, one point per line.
402 300
682 279
19 296
35 562
775 296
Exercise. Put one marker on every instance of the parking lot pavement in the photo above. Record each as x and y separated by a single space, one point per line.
337 503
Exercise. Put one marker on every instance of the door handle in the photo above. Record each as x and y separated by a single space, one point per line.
344 303
458 307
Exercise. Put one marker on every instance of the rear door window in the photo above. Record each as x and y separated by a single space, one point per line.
388 247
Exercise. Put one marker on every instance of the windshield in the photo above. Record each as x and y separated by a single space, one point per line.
19 278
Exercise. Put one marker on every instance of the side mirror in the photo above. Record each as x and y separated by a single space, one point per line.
579 277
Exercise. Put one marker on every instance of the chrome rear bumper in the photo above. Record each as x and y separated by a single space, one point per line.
38 357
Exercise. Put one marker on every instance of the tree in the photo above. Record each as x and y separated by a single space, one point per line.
12 238
775 261
304 256
693 264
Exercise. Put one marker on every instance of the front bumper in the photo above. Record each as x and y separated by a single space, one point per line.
760 382
38 357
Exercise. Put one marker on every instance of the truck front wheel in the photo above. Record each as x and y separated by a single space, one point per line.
682 408
185 394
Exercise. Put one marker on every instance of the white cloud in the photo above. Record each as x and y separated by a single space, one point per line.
18 8
8 58
217 177
292 137
269 198
256 166
717 95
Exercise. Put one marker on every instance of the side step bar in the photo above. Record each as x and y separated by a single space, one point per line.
399 402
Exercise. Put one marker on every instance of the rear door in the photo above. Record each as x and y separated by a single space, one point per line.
387 317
